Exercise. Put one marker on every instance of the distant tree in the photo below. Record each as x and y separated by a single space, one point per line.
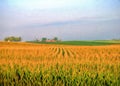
44 39
12 38
37 40
55 38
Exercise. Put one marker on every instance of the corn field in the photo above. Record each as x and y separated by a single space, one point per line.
26 64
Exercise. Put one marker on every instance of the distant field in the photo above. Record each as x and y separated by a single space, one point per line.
82 43
108 41
29 64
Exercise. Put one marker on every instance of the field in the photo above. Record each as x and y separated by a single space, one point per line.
27 64
81 43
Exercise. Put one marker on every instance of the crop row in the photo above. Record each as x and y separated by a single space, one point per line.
59 65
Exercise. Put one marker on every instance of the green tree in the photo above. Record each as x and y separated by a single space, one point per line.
44 39
55 38
12 38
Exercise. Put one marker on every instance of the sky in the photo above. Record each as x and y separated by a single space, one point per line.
65 19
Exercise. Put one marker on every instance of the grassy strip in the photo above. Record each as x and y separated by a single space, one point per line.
84 43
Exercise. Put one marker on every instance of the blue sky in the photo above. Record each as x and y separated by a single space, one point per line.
65 19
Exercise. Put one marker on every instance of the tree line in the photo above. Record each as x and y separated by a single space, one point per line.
13 39
18 39
44 39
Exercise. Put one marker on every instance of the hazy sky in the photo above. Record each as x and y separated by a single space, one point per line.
65 19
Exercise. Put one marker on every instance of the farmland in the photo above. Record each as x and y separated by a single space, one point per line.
59 65
81 43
